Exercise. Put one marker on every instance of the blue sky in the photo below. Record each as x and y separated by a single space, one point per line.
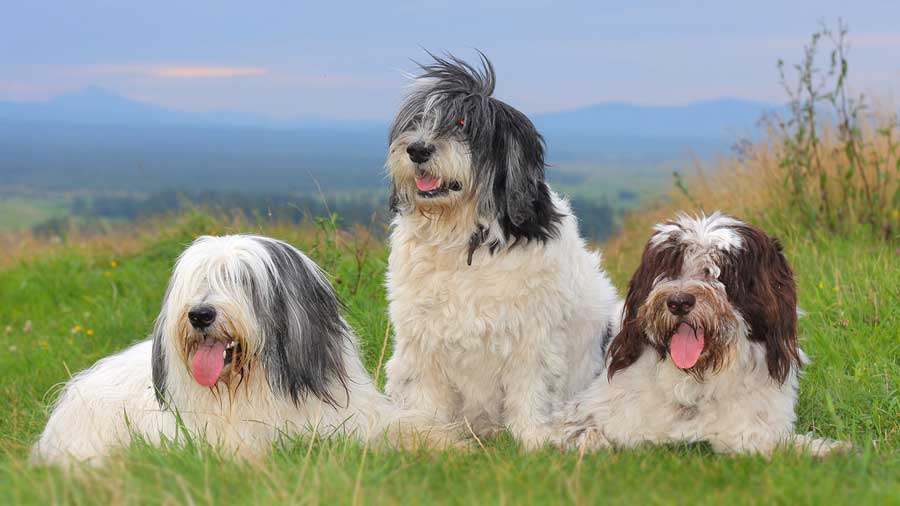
346 60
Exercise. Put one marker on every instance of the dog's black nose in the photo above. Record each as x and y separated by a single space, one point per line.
202 316
419 152
680 303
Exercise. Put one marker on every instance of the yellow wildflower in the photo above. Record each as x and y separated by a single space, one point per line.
113 264
821 285
89 332
76 328
895 214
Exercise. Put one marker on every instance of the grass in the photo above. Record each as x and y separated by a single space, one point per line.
68 306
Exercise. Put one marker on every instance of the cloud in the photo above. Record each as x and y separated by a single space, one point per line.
329 80
168 71
179 72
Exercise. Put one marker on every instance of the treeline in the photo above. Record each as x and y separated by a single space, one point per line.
362 208
598 220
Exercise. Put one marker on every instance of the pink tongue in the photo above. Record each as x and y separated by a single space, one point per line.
428 183
686 346
208 361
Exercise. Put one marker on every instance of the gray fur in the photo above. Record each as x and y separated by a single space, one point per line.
305 333
158 356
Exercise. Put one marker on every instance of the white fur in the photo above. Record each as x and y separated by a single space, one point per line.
108 405
739 410
501 343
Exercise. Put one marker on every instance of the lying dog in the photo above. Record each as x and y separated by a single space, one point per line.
249 346
708 347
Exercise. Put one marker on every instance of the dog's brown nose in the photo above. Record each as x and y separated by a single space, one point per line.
680 303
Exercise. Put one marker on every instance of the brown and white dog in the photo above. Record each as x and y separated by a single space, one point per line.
708 347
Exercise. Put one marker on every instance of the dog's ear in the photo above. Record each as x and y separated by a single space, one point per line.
626 347
305 333
158 361
762 289
520 198
525 189
659 259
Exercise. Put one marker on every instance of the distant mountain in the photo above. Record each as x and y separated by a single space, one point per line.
97 106
97 139
715 119
90 106
725 118
619 131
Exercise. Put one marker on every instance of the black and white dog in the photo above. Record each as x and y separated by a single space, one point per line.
250 345
708 347
498 307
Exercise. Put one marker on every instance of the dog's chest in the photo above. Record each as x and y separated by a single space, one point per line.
456 309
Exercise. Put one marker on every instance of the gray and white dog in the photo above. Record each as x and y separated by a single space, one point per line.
498 306
249 346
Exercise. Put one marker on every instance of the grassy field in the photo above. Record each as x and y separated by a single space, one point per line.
69 306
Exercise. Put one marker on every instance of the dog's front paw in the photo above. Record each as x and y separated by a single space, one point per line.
585 439
820 447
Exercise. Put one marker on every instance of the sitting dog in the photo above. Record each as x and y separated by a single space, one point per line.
708 347
249 346
497 305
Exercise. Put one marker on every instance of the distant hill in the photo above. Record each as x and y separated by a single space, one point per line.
713 119
96 106
723 119
99 140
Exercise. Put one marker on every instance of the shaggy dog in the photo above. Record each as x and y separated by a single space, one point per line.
249 346
708 347
498 307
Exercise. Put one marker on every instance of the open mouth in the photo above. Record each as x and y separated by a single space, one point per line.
212 357
686 345
432 186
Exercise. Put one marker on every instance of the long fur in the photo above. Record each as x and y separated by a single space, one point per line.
741 393
499 309
295 367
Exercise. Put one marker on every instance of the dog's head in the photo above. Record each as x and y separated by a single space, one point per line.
705 283
454 148
239 304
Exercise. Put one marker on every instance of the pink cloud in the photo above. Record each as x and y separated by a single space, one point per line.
169 71
202 72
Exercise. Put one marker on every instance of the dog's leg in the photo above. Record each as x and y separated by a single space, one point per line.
766 444
416 383
583 423
762 422
818 447
532 394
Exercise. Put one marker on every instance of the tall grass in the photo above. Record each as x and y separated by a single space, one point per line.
829 164
839 160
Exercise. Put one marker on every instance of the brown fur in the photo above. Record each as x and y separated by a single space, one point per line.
629 344
760 284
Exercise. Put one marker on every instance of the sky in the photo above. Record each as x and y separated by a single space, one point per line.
350 60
